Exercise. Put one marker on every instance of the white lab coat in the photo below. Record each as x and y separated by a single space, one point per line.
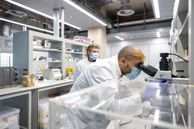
81 66
96 73
106 94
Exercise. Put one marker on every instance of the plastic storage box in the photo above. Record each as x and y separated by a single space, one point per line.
116 105
9 118
44 114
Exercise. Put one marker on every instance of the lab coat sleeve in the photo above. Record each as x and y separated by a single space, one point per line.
131 106
94 75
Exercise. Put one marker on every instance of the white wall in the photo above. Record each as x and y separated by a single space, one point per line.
151 48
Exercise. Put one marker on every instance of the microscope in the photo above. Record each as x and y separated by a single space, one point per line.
163 73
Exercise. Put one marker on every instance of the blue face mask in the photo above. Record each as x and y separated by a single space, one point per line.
133 74
94 56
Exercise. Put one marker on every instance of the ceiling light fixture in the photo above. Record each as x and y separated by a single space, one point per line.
119 38
156 8
38 12
29 26
125 10
84 11
158 34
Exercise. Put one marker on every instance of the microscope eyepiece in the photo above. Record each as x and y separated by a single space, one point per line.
151 71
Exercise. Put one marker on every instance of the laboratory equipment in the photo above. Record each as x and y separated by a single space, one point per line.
165 66
155 73
8 76
99 106
52 74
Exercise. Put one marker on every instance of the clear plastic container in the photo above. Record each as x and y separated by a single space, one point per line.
107 106
9 118
44 114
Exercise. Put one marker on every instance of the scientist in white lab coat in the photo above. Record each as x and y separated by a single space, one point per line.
106 70
111 68
92 56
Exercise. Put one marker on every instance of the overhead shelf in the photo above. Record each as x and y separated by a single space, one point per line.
49 61
42 36
68 41
46 50
69 52
54 61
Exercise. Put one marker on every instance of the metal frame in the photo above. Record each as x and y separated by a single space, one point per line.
191 63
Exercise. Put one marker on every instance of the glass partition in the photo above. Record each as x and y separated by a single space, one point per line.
122 105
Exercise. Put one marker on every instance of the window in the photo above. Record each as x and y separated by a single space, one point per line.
6 59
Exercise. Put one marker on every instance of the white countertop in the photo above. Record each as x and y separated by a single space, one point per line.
38 85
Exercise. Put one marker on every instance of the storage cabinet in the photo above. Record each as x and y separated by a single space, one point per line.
36 52
21 101
74 52
33 101
40 102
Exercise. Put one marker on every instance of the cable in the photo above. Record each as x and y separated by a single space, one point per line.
179 57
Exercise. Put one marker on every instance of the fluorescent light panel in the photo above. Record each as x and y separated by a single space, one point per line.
158 34
85 12
38 12
21 24
156 8
119 38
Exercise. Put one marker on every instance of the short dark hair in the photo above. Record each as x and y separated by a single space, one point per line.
93 46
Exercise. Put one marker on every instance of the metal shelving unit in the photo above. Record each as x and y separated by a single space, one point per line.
179 38
32 56
182 39
74 51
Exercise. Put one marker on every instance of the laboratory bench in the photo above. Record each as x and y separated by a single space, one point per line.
28 99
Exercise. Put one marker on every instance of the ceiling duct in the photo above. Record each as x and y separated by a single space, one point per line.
125 9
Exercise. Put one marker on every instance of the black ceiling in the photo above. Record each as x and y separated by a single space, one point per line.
108 9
